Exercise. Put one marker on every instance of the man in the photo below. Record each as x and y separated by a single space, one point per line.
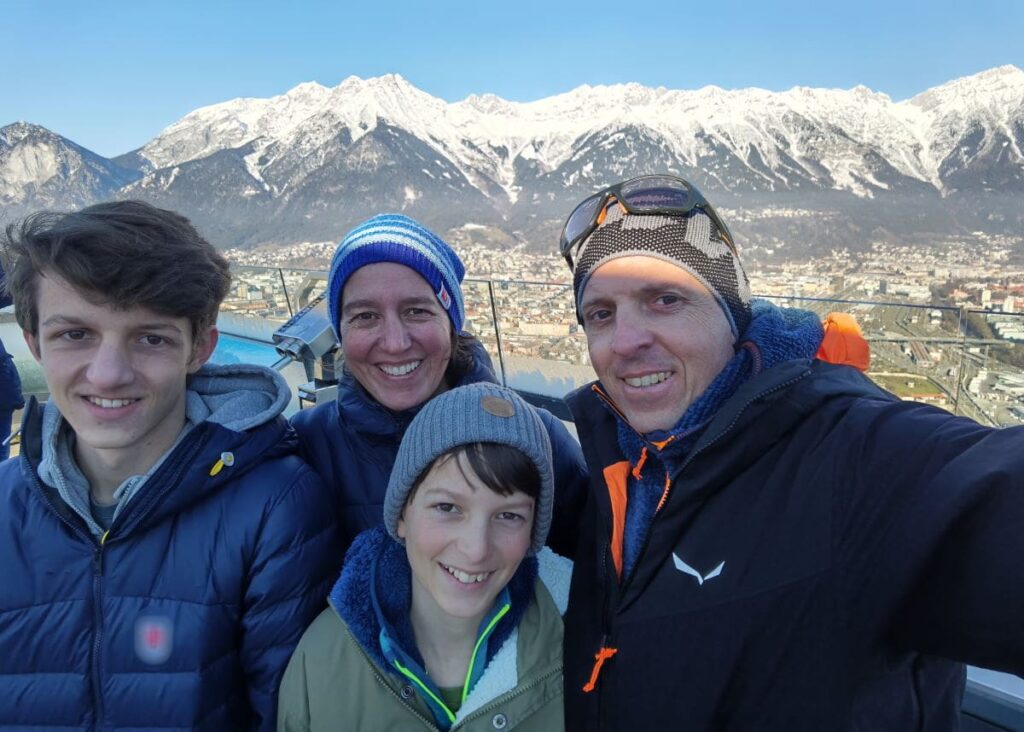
772 541
162 549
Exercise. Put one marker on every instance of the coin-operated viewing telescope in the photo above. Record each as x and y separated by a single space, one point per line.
309 339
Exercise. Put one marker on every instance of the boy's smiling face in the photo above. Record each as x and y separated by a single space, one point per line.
464 541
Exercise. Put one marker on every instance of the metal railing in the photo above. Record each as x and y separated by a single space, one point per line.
969 361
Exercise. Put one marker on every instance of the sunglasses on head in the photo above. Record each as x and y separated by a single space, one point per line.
646 195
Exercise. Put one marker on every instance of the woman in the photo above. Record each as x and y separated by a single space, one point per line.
449 615
395 299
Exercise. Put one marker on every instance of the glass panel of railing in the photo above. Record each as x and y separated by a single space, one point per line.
264 298
542 349
29 370
476 295
303 285
992 381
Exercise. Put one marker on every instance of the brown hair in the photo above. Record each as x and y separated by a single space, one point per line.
125 254
461 360
500 467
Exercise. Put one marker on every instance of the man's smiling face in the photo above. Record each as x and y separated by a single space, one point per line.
657 338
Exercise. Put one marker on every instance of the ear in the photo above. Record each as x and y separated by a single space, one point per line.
400 529
202 348
33 345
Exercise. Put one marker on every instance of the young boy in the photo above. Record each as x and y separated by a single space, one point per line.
162 549
449 615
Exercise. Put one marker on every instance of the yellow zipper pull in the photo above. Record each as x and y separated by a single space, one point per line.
226 458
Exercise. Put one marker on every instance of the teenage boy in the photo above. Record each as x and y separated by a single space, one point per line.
161 546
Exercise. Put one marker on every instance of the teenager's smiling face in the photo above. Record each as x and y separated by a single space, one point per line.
117 376
396 337
463 540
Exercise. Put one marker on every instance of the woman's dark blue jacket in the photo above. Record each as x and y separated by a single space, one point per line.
352 443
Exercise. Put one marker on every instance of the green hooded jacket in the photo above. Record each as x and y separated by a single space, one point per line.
333 683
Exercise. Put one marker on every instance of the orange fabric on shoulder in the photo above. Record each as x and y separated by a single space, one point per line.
844 342
616 476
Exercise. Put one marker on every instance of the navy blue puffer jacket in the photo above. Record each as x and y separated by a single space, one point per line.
183 616
352 443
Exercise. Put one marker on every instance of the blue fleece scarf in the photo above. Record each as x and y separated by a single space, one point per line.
377 568
773 336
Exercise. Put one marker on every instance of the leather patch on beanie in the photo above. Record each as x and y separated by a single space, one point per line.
497 406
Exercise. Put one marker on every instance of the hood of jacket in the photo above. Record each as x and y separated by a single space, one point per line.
233 418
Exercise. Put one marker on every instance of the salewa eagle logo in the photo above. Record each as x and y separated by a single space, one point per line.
687 569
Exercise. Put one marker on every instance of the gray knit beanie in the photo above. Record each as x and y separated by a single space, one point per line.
691 242
479 412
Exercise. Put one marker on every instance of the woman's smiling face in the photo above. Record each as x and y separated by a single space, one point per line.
396 337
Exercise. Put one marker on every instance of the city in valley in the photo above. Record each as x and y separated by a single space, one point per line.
944 319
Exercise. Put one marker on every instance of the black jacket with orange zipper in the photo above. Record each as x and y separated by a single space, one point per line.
818 550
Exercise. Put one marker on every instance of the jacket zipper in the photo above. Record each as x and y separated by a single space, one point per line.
383 682
97 584
690 458
607 624
97 587
97 631
492 705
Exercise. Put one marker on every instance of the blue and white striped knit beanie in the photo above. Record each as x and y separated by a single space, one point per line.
399 239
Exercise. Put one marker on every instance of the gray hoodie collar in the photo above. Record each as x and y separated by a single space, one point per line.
238 397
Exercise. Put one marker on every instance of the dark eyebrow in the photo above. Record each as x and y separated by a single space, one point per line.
71 320
368 303
442 492
61 320
654 288
648 289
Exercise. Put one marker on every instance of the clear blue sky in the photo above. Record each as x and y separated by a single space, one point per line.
111 75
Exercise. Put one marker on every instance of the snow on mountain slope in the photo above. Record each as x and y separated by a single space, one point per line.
855 140
39 168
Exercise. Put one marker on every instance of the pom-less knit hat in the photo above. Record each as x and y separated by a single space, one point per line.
691 242
399 239
479 412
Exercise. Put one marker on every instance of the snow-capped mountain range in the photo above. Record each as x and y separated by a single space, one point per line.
310 163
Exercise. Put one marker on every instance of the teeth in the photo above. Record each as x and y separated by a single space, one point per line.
464 577
402 370
111 403
649 379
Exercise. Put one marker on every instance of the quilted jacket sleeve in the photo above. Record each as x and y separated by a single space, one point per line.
297 558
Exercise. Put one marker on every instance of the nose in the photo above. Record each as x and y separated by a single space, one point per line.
631 332
474 540
111 366
395 335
